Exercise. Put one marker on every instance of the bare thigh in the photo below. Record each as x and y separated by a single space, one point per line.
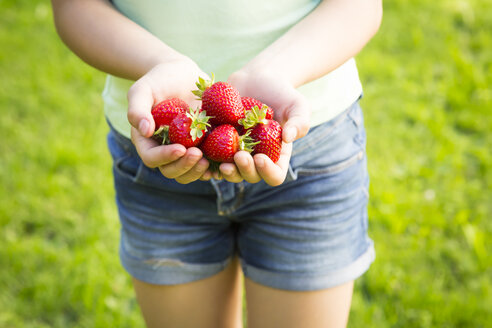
271 308
212 302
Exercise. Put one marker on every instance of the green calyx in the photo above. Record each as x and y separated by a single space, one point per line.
162 134
247 143
214 166
254 116
199 123
203 85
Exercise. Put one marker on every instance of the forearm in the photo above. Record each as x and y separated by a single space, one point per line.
333 33
105 39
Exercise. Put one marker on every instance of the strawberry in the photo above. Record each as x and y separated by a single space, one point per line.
221 101
165 111
163 114
267 133
249 103
189 128
269 136
223 142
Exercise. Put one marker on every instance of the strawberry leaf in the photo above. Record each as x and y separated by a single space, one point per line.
202 85
254 116
247 143
199 123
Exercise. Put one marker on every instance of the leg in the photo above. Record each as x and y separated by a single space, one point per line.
307 238
269 307
212 302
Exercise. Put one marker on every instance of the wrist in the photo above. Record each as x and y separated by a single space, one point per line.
162 55
264 71
249 79
271 67
176 58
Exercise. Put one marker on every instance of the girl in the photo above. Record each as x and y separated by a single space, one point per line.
296 230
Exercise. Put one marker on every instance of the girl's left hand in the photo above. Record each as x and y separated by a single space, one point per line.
291 110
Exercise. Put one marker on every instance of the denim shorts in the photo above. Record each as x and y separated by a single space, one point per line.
309 233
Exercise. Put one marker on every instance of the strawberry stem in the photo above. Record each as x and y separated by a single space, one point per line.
254 116
203 85
162 133
199 122
247 143
213 166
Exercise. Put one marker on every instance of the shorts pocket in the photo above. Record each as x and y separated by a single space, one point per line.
331 147
126 162
130 167
331 169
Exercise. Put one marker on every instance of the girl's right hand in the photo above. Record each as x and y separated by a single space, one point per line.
171 79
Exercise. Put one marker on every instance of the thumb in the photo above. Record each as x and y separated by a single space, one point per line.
297 124
140 102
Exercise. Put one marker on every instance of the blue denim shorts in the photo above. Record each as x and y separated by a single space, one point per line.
309 233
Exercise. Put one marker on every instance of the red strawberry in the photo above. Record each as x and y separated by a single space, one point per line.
164 113
223 142
249 103
189 128
221 101
267 133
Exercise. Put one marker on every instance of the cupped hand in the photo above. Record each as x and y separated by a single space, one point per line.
172 79
291 110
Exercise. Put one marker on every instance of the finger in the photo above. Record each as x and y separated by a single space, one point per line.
181 166
296 121
230 172
217 175
206 176
246 167
195 173
274 173
152 154
140 102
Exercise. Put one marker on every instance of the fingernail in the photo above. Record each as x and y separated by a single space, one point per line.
143 127
290 134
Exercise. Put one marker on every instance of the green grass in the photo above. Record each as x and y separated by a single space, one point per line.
427 78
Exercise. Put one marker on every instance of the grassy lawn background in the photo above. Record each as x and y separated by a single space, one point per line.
427 78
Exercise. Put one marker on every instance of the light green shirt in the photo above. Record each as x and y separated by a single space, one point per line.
222 36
